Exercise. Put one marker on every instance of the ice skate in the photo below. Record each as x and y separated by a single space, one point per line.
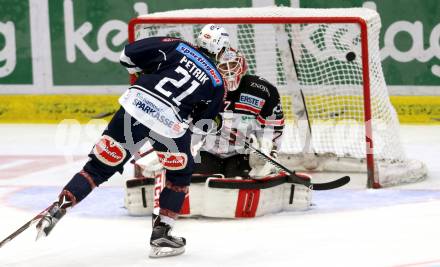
49 220
53 214
162 243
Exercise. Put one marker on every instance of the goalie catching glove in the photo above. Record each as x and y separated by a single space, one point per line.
260 167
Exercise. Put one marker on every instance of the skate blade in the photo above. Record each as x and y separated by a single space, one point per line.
40 235
160 252
40 230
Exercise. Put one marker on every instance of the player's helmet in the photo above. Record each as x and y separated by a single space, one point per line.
232 66
213 39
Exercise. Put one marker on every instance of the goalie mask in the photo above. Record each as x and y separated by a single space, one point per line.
232 66
214 40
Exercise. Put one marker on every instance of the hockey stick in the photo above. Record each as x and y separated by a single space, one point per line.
138 155
24 227
315 186
301 111
103 114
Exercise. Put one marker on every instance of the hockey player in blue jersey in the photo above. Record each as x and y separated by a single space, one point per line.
178 86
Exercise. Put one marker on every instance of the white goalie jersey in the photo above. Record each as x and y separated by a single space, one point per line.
253 109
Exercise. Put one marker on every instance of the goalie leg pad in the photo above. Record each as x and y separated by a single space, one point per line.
232 198
299 196
237 198
142 196
139 196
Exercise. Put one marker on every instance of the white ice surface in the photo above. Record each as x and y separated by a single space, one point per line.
352 226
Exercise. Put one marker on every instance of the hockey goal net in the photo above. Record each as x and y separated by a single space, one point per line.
326 64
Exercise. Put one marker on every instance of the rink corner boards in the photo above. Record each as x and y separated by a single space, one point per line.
84 108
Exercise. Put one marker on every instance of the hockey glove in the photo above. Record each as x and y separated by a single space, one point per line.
260 167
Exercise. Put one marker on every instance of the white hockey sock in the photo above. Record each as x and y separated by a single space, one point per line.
168 220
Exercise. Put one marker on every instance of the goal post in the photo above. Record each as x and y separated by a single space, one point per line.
326 64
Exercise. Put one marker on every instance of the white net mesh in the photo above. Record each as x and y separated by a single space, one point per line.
326 68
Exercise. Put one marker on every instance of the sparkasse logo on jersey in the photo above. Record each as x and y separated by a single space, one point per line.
153 111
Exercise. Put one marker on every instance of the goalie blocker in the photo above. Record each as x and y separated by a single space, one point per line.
215 196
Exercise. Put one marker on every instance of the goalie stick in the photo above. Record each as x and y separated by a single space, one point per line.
315 186
24 227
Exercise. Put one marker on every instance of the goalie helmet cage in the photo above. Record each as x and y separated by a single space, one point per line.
326 64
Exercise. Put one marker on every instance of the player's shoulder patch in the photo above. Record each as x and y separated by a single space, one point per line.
201 61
